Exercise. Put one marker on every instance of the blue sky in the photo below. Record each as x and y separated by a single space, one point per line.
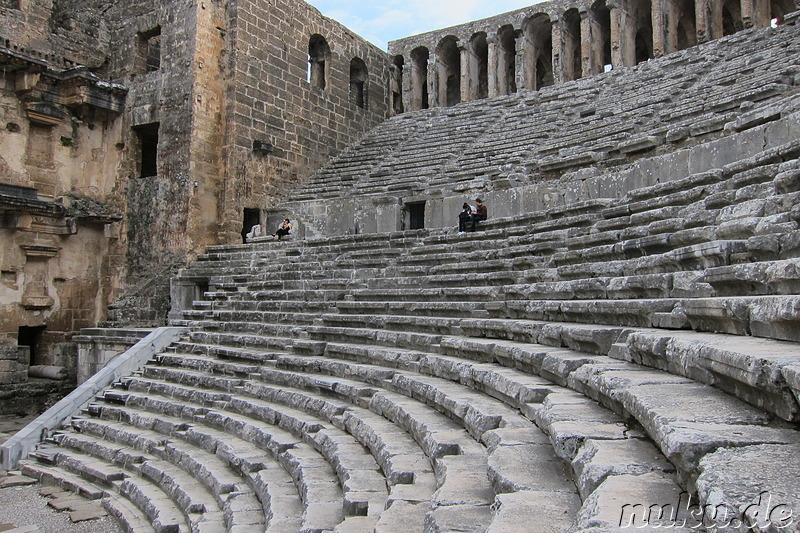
386 20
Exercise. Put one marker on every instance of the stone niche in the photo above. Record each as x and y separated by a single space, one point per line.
36 289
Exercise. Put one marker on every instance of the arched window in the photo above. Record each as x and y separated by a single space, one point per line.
318 54
538 31
600 24
419 78
448 68
683 31
732 17
506 60
643 38
396 84
571 45
479 66
358 82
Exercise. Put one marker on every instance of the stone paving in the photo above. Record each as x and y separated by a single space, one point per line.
27 506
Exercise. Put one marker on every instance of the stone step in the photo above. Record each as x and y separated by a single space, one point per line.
357 472
150 502
132 518
180 486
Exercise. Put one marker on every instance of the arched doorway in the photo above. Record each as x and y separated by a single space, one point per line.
506 60
600 24
538 32
479 66
571 45
448 69
419 78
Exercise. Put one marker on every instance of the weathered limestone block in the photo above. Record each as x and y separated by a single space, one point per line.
598 459
689 420
708 254
13 365
526 466
776 317
787 181
624 501
547 511
750 369
740 228
718 315
752 488
644 286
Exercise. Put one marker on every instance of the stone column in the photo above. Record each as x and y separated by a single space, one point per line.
558 74
521 70
617 38
763 13
702 15
493 67
587 62
657 16
748 13
408 87
468 89
433 82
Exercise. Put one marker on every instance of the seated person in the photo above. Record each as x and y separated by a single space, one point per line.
464 217
283 229
481 213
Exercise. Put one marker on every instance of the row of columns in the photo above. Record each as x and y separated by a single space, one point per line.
619 33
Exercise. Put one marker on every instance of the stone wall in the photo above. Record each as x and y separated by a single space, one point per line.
140 131
272 102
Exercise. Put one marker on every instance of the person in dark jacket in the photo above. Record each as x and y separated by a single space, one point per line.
464 217
481 213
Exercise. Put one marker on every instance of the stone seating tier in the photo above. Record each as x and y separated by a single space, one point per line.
714 89
543 370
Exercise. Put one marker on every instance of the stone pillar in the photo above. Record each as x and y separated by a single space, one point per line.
617 38
749 12
558 74
657 16
762 16
587 63
408 87
468 89
493 66
433 82
702 15
521 68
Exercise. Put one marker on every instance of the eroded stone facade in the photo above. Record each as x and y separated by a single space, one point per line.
136 134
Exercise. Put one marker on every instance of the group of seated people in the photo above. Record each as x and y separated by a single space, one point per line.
471 215
468 220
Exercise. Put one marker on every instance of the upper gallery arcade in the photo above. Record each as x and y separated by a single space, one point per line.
557 42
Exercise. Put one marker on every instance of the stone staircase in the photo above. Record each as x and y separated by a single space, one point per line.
558 369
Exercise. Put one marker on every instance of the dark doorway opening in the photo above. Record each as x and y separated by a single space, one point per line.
251 217
31 336
148 148
416 215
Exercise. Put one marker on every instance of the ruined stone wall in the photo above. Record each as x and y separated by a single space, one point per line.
272 102
158 102
55 260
